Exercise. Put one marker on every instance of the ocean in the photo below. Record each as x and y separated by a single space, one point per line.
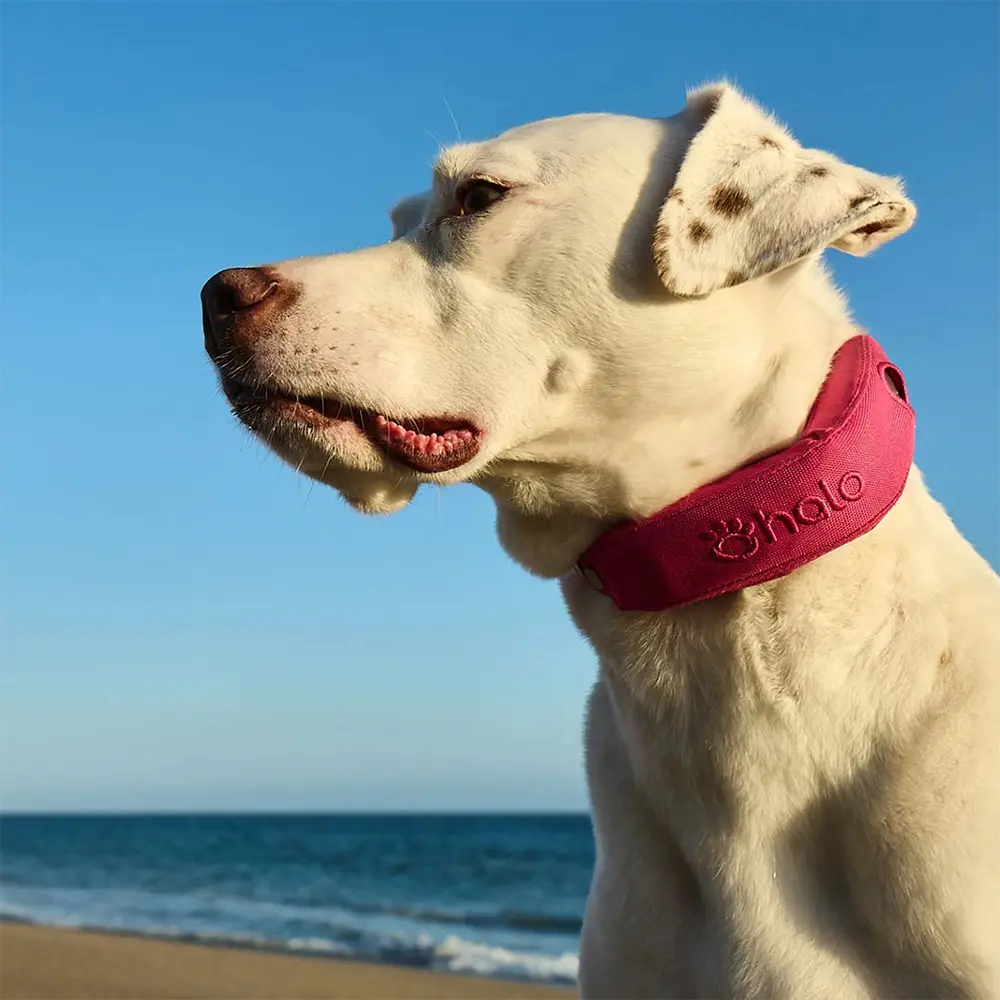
498 896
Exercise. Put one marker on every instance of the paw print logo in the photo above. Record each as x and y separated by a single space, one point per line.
732 539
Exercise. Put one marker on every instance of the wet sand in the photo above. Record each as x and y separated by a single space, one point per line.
41 963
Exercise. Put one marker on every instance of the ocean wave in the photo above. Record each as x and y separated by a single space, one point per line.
542 923
419 950
335 908
488 895
471 957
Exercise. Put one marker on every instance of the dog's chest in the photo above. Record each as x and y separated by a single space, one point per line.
715 730
695 884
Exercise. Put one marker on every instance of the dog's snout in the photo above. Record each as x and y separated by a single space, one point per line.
237 304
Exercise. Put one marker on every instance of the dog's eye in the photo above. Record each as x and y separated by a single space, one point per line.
477 196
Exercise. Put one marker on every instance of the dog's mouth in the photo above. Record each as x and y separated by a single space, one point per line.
423 444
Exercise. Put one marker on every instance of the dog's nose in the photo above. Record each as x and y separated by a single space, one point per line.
229 293
235 289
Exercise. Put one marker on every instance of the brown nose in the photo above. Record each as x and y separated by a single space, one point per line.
229 294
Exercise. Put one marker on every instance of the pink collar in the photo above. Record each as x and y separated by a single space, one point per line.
835 483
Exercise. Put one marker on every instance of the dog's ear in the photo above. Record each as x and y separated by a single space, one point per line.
408 214
749 200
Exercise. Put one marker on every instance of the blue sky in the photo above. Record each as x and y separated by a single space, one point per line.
188 625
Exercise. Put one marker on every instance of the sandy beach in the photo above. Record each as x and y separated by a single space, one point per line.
40 963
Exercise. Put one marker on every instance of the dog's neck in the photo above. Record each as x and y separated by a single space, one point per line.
547 516
682 671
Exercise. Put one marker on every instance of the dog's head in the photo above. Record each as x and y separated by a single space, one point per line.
576 316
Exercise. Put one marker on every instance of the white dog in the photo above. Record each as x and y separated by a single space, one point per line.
796 782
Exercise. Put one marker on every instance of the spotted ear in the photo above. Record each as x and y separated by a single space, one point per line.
408 214
749 200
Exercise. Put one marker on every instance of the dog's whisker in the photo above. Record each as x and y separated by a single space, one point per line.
454 121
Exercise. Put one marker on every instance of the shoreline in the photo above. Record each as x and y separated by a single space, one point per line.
265 947
39 962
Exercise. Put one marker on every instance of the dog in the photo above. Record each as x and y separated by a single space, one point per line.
795 781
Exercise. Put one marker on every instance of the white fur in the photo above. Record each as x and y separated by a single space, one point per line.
795 787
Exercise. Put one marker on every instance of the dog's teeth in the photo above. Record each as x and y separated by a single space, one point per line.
436 444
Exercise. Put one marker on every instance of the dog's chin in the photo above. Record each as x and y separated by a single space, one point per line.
380 500
375 493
